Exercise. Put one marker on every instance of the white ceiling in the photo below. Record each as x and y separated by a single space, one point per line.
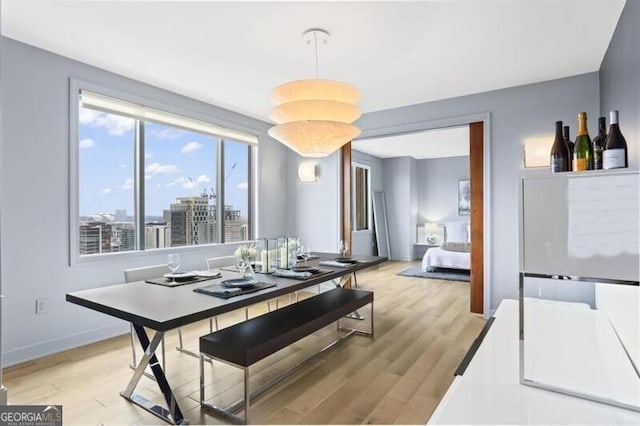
232 53
436 143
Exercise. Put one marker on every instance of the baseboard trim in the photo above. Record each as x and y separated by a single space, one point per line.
31 352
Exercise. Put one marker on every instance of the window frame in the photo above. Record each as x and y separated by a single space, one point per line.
369 228
75 87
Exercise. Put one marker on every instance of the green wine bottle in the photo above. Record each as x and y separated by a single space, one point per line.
582 150
598 143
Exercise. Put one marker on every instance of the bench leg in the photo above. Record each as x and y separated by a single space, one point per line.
359 317
228 412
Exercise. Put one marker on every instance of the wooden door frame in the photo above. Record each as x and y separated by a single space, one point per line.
485 119
476 163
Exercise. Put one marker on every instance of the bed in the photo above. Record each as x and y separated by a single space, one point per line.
454 252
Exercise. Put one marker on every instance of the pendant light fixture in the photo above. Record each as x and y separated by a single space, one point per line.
314 117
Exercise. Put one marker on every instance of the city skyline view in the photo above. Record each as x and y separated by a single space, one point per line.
178 163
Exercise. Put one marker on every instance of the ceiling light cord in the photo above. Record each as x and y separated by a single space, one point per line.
315 40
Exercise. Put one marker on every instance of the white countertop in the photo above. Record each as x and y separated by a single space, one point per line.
489 392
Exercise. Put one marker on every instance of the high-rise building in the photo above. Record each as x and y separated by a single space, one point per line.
235 229
157 235
166 216
192 221
123 236
95 237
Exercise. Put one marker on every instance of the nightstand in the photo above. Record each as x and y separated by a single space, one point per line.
419 249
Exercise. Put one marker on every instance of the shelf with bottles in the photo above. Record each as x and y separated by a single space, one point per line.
606 151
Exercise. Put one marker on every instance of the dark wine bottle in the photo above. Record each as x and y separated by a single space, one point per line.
560 156
598 143
582 150
567 139
615 153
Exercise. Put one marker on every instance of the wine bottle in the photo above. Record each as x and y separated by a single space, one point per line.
567 139
582 150
598 143
559 155
615 153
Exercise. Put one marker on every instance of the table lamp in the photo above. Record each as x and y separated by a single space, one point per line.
431 230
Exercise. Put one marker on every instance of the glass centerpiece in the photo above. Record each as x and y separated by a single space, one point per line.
287 252
265 255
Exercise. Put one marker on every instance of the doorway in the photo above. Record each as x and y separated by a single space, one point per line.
479 171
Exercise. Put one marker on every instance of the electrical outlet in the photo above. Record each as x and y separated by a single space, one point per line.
41 306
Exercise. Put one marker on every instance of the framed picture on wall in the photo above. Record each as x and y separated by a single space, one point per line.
464 197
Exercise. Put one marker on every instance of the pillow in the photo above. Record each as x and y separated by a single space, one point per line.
455 246
456 231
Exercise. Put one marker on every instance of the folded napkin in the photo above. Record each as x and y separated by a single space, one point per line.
334 263
288 273
210 273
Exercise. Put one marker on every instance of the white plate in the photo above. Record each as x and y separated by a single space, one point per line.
180 275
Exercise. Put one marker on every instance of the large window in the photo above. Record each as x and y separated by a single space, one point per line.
149 179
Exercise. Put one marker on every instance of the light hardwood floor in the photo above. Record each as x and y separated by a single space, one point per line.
423 328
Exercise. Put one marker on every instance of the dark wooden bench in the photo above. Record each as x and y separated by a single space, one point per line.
248 342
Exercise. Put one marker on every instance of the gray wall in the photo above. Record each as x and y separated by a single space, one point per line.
516 113
362 241
438 188
620 78
314 208
35 191
400 196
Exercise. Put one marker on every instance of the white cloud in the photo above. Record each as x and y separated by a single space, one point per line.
123 166
188 183
86 143
243 185
191 147
203 179
88 116
157 169
115 124
167 133
106 191
128 184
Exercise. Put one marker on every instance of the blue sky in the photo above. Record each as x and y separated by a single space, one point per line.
178 163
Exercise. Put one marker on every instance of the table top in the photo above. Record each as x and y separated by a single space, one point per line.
164 308
490 392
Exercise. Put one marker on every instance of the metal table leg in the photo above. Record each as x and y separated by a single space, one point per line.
172 414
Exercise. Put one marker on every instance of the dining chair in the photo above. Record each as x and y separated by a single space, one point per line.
141 274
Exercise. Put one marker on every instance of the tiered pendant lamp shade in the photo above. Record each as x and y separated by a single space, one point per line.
314 117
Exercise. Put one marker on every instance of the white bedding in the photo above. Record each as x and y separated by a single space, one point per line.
435 257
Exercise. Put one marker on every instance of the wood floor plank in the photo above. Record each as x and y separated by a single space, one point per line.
423 328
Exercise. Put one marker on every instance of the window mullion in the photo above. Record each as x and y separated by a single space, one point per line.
220 192
139 185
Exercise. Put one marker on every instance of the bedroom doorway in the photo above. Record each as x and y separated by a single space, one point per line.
478 171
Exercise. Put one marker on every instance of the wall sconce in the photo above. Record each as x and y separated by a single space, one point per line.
307 172
537 151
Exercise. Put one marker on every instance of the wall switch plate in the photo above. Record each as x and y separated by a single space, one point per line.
41 306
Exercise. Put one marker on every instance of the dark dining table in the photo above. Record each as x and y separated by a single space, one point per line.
162 308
